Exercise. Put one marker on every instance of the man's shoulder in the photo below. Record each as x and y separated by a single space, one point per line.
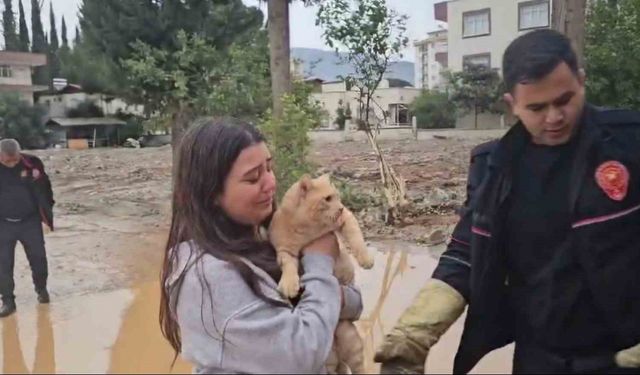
621 118
483 150
29 158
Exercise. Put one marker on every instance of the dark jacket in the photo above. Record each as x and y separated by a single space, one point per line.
41 188
605 231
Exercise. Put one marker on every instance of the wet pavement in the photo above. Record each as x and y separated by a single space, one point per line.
118 331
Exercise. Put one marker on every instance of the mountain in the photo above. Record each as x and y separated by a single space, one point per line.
327 66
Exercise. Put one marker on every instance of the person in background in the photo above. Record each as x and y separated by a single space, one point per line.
26 206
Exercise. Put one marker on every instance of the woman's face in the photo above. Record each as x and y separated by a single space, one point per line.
250 187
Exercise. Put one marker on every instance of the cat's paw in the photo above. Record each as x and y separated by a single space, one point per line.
289 286
365 261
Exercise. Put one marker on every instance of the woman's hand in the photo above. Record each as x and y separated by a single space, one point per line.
325 245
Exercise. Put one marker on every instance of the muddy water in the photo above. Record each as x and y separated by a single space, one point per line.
117 332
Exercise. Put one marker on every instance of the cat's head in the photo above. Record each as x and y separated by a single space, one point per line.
319 200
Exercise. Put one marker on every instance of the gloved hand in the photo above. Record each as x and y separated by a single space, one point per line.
629 358
434 310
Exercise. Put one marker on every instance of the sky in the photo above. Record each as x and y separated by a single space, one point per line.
304 32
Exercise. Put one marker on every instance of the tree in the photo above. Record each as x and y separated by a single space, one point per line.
9 28
41 73
280 52
91 69
65 41
569 19
25 43
22 121
78 37
200 79
372 36
54 45
113 26
612 50
120 29
433 109
476 89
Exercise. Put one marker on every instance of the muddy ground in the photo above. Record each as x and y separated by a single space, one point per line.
112 212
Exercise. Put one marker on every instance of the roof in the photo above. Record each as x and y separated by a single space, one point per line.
22 58
314 79
396 82
68 89
85 121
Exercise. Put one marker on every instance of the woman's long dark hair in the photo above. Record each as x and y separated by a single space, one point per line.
203 161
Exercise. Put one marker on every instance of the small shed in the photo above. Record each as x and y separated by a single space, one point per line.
96 131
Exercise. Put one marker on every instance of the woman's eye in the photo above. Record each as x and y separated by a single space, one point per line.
328 199
253 179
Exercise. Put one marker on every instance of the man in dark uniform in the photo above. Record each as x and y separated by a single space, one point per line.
547 250
26 201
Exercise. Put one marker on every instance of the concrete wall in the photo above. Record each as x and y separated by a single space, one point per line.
20 75
331 97
504 29
390 134
58 105
486 121
428 71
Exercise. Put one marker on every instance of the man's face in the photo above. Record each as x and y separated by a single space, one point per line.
551 107
9 161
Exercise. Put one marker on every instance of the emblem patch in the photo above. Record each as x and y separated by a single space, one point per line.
613 179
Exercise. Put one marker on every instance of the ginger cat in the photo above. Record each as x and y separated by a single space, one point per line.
310 209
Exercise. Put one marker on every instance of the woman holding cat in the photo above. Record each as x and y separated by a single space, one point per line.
220 307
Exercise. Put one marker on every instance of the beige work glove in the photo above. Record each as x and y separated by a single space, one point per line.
629 358
405 350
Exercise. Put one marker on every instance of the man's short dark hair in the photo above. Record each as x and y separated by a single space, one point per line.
533 56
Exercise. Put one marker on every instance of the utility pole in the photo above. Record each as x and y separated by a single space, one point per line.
568 17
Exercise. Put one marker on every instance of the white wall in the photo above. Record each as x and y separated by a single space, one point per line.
20 75
58 105
331 96
430 47
435 79
504 29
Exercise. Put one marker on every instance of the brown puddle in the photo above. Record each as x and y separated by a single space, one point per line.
118 332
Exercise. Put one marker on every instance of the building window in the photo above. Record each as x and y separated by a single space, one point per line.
399 114
483 59
5 71
476 23
533 14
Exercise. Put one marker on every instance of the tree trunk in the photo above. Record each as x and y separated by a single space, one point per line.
181 121
569 18
475 114
278 25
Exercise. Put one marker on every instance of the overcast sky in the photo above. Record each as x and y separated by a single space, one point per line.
304 33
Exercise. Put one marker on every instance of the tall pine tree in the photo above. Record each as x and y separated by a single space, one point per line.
41 73
54 45
78 39
9 27
63 36
25 43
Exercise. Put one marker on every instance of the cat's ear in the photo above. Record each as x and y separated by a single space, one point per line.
305 185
